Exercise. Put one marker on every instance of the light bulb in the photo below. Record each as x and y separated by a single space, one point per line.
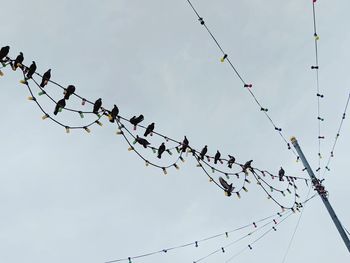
1 73
238 195
223 58
130 148
81 114
99 123
164 171
67 129
169 152
245 189
45 117
41 93
31 98
176 166
23 81
182 159
119 132
146 163
87 129
83 102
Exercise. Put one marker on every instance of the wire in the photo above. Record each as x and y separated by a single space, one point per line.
195 243
337 136
318 93
124 131
245 84
295 230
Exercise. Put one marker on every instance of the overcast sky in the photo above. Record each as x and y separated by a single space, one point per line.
84 198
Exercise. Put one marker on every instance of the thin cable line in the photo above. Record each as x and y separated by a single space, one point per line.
247 86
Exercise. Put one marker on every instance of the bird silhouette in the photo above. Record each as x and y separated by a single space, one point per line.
69 91
18 61
203 152
114 113
31 70
161 149
45 79
136 120
281 173
231 161
247 165
185 143
4 51
97 106
217 157
142 141
60 104
228 187
149 129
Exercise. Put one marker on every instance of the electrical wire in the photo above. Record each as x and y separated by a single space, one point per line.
196 243
124 131
331 155
245 84
295 230
318 92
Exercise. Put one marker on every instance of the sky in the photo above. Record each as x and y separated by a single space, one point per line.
82 197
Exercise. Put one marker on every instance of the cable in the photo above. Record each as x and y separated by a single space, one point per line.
245 84
195 243
124 131
318 93
295 230
337 136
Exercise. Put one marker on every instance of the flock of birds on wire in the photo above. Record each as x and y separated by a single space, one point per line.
202 158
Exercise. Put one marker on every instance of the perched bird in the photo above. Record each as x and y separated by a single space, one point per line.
185 143
281 174
247 165
136 120
31 70
228 187
4 51
142 141
60 105
231 161
161 149
217 157
69 91
18 61
46 78
203 152
149 129
114 113
97 106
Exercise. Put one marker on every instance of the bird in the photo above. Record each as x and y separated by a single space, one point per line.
4 51
46 78
161 149
231 161
185 143
149 129
60 105
228 187
97 106
281 173
18 61
31 70
69 91
136 120
114 113
247 165
217 157
203 152
142 141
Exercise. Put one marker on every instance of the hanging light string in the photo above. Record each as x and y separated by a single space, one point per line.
122 127
318 92
48 116
256 230
331 155
274 222
247 86
253 225
293 207
295 229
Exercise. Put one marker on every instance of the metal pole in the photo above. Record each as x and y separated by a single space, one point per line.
322 192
